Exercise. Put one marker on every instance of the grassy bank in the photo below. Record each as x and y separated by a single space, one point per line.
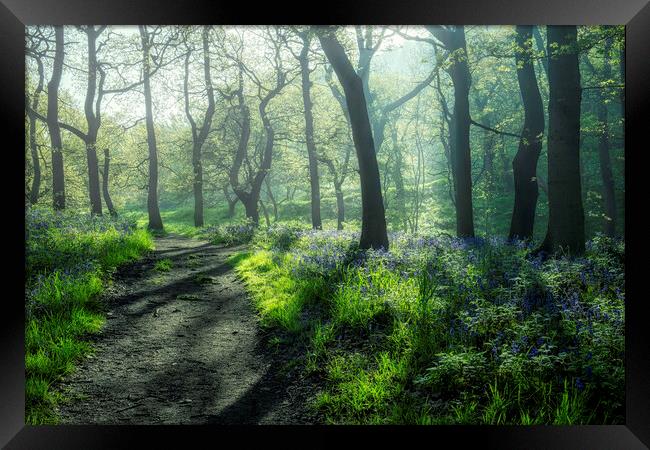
445 331
69 260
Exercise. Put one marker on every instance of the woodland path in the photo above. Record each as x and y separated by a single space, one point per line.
183 347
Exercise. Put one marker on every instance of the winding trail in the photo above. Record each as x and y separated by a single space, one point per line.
182 347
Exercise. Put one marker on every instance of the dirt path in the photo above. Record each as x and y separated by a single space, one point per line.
182 346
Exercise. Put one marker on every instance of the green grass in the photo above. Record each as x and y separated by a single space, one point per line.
365 389
62 303
277 295
164 265
396 347
181 220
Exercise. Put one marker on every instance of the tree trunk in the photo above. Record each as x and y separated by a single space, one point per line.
340 208
250 205
609 200
251 210
400 194
266 213
232 202
93 121
373 223
36 162
309 134
93 179
454 41
524 165
251 199
269 193
198 186
58 179
107 197
566 215
623 118
155 221
461 79
506 165
200 135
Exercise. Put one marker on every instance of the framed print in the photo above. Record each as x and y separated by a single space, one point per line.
382 219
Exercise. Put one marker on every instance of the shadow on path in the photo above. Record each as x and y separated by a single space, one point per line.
182 346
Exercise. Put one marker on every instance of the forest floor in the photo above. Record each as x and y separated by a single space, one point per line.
182 345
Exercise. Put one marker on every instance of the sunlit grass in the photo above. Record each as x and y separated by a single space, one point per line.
446 331
277 295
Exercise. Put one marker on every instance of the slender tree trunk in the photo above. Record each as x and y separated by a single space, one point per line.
36 162
506 166
309 134
566 213
400 194
93 178
621 65
265 166
454 41
200 135
107 197
463 162
155 221
524 165
447 143
58 179
93 124
340 207
251 210
609 199
269 193
623 118
198 186
373 223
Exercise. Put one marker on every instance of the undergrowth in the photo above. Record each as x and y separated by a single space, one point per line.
69 260
447 331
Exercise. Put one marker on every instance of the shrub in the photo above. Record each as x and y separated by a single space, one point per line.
230 235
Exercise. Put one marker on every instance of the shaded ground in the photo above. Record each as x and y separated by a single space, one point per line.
183 346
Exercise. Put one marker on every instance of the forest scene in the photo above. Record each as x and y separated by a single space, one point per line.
325 225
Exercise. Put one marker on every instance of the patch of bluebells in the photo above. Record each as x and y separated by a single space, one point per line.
554 317
232 234
322 259
47 229
63 245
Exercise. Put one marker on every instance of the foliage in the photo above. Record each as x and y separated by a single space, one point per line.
229 235
68 258
444 330
164 265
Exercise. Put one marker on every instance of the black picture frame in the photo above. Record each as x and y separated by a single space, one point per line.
16 14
